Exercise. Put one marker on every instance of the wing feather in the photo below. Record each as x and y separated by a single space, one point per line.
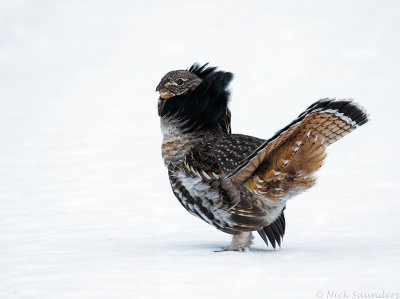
224 197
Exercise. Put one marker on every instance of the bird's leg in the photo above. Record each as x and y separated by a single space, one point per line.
241 242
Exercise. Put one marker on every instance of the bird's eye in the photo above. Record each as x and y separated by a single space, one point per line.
179 81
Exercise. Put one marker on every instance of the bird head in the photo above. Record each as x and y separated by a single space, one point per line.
196 98
176 83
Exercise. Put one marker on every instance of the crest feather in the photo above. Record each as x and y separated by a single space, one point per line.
202 71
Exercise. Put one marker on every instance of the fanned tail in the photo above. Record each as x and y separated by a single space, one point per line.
285 164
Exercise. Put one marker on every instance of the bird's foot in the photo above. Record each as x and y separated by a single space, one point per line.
239 249
240 242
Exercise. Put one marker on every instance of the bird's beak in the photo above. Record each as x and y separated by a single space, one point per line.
164 93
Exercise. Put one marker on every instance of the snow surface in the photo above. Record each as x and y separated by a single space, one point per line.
86 209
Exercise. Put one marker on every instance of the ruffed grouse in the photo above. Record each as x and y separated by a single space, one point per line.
240 183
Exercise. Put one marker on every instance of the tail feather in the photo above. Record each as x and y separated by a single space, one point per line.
274 232
285 165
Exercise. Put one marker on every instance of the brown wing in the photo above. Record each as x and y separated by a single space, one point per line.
284 164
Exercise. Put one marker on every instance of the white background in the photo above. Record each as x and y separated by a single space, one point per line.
86 209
